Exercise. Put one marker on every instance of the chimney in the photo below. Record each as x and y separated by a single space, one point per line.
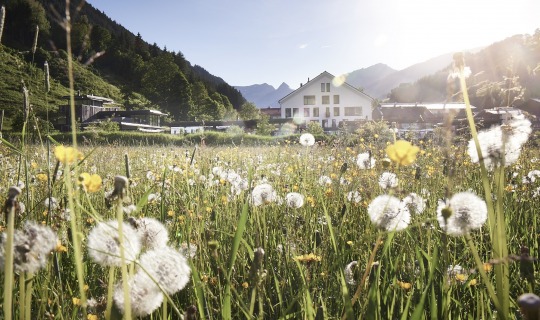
301 84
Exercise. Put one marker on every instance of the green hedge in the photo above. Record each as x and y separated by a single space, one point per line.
126 138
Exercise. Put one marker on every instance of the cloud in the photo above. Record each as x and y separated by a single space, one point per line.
303 46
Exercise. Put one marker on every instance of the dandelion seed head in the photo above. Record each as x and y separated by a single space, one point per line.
104 243
145 296
167 266
153 233
294 200
263 194
388 180
349 273
365 161
416 203
307 139
463 212
389 213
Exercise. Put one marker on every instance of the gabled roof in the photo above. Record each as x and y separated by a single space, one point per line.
418 114
324 73
429 106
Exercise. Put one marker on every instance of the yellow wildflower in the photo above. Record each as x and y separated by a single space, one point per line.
402 152
473 282
245 285
488 267
461 277
404 285
90 183
60 247
92 317
76 301
66 155
42 177
308 258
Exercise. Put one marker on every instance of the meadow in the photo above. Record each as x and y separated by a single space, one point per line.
288 231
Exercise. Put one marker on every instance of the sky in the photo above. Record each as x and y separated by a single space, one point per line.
248 42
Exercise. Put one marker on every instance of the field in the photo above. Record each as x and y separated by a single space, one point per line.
287 231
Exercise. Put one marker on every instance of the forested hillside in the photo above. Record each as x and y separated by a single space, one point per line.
501 74
109 61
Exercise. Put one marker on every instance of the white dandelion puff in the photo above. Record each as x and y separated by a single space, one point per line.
104 243
263 194
389 213
463 212
365 161
307 139
294 200
349 273
153 233
388 180
145 296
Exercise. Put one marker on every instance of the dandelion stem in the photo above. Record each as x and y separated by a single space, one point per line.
125 284
366 273
8 270
110 289
480 267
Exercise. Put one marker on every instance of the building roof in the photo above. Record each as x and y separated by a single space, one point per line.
419 114
429 106
275 112
90 97
324 73
127 113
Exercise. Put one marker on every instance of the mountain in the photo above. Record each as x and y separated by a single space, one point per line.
378 80
109 60
264 95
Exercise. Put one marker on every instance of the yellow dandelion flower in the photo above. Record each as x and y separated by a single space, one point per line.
60 247
92 317
473 282
34 165
208 209
42 177
350 243
461 277
245 285
91 183
404 285
307 258
76 301
66 155
488 267
170 213
402 152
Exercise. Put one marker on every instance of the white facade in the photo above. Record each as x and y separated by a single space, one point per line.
321 100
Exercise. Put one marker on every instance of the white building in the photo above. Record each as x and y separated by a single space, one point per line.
326 100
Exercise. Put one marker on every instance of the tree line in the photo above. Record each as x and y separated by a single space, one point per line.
148 76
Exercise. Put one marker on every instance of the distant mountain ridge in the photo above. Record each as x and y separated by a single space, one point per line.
377 81
264 95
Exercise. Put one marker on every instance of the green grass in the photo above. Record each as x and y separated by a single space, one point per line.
227 230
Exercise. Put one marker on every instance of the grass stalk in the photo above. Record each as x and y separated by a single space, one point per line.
123 268
28 297
110 291
8 269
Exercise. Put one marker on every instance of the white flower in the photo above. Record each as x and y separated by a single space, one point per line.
388 180
531 176
51 202
307 139
153 233
263 194
463 212
415 202
349 273
389 213
501 144
166 267
354 196
365 161
145 296
325 180
31 247
104 244
294 200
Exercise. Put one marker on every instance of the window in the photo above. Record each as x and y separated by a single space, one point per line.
336 99
306 112
325 99
336 111
295 112
353 111
309 100
316 112
288 113
328 112
325 87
